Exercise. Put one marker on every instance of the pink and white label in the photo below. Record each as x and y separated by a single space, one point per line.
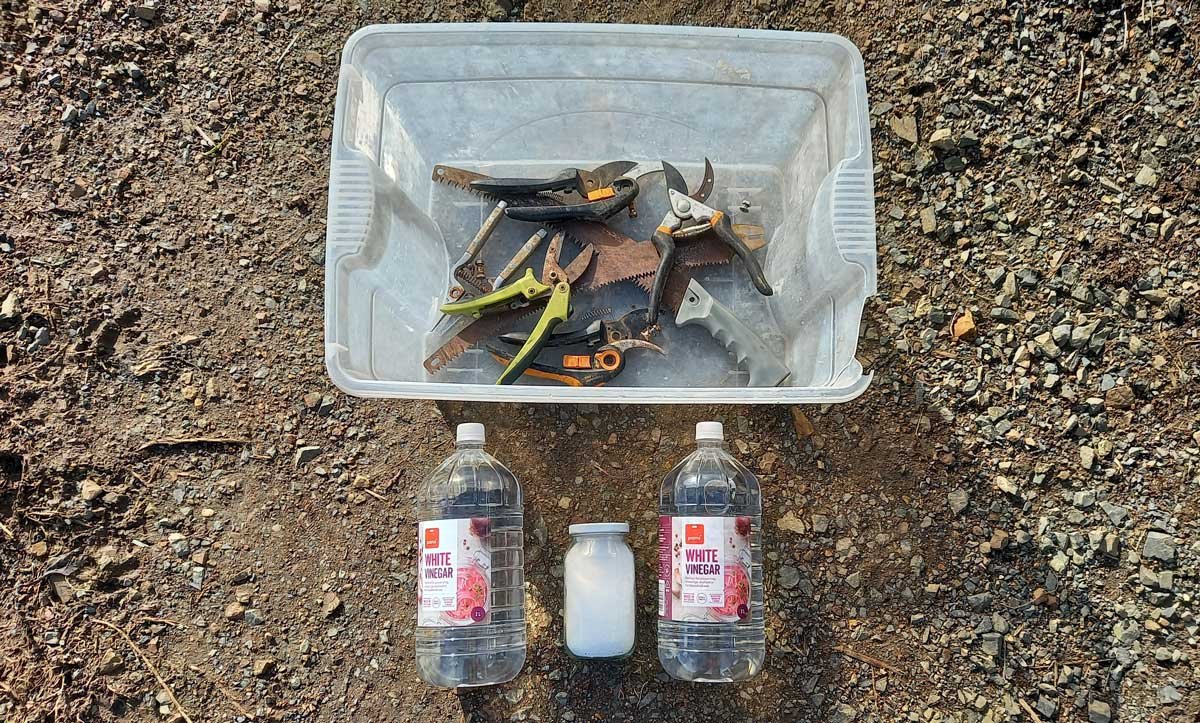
454 573
704 568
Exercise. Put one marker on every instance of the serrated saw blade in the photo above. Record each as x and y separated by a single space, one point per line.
475 332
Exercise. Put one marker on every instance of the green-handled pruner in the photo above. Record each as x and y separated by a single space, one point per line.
555 282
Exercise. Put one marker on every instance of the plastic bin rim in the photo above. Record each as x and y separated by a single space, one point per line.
615 28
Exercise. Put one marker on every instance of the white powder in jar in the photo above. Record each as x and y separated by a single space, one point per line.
600 593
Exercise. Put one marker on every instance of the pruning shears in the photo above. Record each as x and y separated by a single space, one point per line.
689 217
583 370
555 282
634 325
588 357
582 195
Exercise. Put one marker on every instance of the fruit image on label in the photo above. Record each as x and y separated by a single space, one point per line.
737 593
473 593
454 572
704 568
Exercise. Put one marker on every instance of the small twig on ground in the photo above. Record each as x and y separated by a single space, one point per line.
161 621
7 531
55 356
1032 716
224 691
375 494
179 441
1079 92
864 658
288 49
153 670
207 138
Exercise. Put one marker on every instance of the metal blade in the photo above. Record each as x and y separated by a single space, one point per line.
462 179
675 288
627 344
551 267
459 177
477 331
586 328
633 325
579 264
674 178
706 183
605 174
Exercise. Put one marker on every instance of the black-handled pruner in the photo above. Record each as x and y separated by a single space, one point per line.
584 195
689 218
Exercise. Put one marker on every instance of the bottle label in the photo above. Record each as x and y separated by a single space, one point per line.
704 569
454 573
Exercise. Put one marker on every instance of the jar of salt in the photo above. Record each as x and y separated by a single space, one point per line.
599 587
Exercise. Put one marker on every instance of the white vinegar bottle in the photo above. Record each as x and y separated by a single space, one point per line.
710 595
470 581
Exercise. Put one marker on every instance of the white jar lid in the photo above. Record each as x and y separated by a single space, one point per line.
599 528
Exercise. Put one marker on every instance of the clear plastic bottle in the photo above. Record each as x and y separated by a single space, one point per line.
470 579
710 595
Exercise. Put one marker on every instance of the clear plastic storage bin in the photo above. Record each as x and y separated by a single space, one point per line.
783 117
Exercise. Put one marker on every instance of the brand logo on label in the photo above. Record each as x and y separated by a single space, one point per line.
693 534
432 538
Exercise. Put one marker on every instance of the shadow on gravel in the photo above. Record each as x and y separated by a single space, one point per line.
857 485
889 586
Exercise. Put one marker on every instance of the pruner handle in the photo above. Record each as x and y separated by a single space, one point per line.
526 288
664 243
565 181
625 190
724 230
555 313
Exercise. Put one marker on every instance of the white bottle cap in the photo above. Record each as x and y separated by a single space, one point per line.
471 432
710 431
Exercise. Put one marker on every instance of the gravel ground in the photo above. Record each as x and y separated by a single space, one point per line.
194 525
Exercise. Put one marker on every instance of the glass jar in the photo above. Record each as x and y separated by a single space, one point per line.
599 589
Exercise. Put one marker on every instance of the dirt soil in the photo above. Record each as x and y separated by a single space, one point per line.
166 555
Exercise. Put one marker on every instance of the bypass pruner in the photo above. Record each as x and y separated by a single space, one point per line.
555 283
689 218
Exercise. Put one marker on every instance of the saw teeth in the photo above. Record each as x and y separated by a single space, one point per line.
454 347
610 282
597 313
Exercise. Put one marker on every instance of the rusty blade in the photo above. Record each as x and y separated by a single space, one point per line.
675 289
581 263
475 332
688 258
462 178
620 262
639 261
457 177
